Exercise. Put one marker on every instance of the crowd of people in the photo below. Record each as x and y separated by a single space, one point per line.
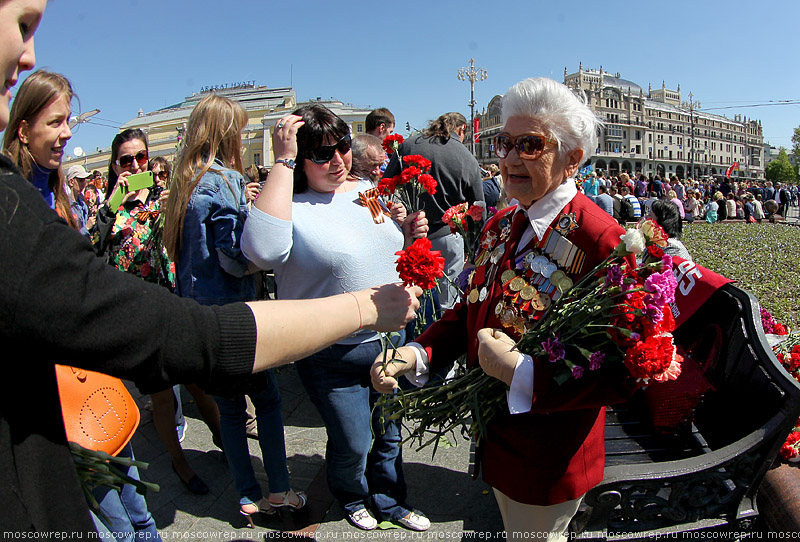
183 251
710 199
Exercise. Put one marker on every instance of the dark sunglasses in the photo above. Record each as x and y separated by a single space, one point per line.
529 146
324 154
162 175
127 160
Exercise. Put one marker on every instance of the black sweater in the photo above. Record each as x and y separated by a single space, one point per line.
60 303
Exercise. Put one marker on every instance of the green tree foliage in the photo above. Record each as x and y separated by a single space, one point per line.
780 169
796 144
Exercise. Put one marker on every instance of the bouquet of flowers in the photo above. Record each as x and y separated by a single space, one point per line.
466 220
616 314
787 350
411 183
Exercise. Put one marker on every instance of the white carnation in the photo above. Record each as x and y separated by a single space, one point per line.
634 241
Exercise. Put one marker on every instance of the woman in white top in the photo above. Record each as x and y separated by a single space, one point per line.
309 226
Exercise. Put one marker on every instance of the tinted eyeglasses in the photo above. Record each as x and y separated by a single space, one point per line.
127 160
529 146
162 175
324 154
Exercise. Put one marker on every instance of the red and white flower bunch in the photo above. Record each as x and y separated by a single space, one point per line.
411 183
616 314
467 220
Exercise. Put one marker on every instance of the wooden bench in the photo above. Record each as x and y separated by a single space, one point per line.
706 477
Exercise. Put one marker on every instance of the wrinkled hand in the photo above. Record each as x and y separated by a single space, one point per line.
284 138
415 226
251 191
401 361
389 307
497 354
162 197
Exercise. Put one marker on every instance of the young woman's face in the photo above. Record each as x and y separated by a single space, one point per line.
18 22
329 176
47 133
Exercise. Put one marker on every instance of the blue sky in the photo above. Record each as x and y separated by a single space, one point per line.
123 55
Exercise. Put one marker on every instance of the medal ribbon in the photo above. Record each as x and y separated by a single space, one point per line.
369 199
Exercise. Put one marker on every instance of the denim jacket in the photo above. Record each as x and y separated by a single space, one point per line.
211 267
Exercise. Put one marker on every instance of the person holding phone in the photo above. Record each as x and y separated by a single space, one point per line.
128 234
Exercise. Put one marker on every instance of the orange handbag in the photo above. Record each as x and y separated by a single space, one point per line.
99 412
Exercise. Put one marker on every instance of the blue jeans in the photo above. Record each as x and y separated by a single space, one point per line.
360 472
179 419
125 512
233 421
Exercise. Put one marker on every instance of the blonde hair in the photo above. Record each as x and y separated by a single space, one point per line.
37 92
214 131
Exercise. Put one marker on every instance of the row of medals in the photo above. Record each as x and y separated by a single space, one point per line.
527 291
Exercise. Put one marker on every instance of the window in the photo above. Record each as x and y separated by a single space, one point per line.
256 158
359 128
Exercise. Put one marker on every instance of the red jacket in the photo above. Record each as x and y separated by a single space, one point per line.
556 452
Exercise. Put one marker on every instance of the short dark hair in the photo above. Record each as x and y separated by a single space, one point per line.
320 123
668 217
377 117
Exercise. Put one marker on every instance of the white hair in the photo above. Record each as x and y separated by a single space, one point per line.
566 114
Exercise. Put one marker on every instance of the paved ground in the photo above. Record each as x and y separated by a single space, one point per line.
440 487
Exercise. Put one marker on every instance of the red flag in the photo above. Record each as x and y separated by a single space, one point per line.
729 171
475 132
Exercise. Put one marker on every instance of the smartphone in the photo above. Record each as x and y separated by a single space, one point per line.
136 182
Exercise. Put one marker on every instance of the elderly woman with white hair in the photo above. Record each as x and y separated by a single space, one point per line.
547 450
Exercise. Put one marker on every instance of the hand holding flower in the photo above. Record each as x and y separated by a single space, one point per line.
415 226
384 375
389 307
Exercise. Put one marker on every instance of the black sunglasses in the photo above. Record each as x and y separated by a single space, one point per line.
324 154
127 160
529 146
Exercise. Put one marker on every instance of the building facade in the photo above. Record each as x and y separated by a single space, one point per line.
264 107
653 132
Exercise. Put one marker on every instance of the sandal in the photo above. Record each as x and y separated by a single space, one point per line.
263 506
300 500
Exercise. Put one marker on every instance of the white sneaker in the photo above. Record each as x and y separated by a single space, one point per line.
415 522
363 519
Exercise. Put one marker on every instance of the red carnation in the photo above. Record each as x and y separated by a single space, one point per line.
388 185
651 357
410 173
420 265
416 160
454 217
428 183
390 143
475 212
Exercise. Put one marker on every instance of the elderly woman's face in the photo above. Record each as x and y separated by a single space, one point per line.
526 180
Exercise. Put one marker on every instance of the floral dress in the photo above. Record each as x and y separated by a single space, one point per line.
135 244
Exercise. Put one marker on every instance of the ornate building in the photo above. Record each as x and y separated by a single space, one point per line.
264 107
652 132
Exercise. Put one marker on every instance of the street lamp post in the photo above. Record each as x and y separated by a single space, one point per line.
472 74
691 128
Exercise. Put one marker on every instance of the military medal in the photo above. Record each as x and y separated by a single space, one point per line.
483 294
566 224
473 296
507 275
